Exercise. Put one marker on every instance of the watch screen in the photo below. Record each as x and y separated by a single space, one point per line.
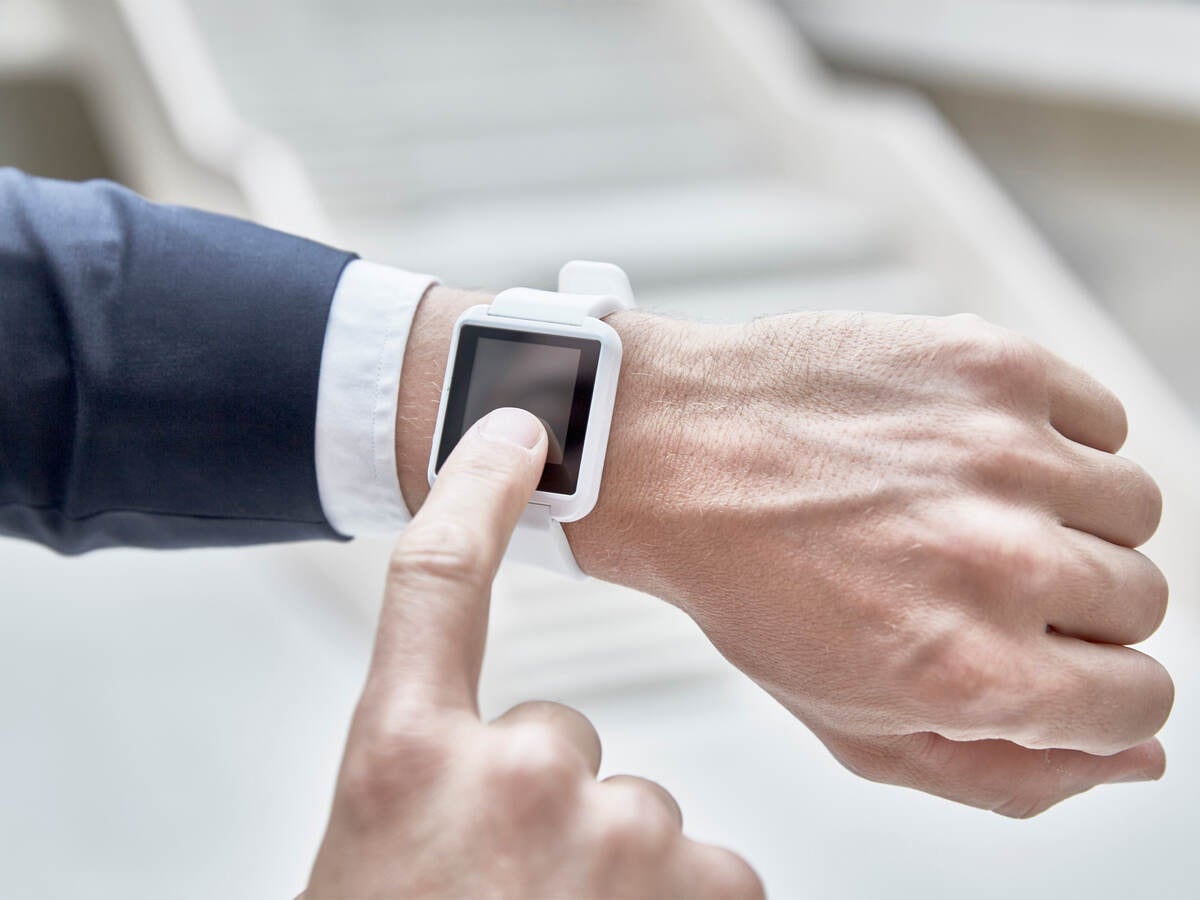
552 377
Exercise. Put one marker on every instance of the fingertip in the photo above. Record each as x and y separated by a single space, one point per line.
1160 768
501 456
1163 691
1153 759
508 445
514 426
1118 418
1145 762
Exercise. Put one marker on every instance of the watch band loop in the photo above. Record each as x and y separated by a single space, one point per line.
585 290
540 541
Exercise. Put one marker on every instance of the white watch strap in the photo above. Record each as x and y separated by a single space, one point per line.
547 306
585 290
540 541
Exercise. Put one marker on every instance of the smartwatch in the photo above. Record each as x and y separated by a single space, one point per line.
548 353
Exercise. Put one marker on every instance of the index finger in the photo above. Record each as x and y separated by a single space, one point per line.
429 647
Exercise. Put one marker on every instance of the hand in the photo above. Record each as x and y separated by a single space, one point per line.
913 532
431 802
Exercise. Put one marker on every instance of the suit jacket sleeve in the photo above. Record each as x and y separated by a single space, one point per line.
158 372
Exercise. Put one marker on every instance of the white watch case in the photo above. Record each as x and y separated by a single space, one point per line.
587 291
562 507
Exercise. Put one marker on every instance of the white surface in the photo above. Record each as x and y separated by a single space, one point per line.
171 722
1129 53
32 39
1086 113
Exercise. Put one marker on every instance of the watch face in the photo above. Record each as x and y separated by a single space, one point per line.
549 375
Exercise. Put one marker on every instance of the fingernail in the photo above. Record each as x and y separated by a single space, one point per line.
514 426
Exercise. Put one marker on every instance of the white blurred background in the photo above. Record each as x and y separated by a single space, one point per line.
170 725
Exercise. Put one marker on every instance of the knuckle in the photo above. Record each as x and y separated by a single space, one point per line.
992 550
960 549
360 793
1117 414
954 675
552 715
1145 501
962 687
1099 586
732 877
632 828
988 430
1028 554
1024 806
864 761
536 766
1160 698
991 431
620 834
1130 496
1039 782
641 815
386 768
1154 599
995 356
1006 453
1136 593
440 550
1124 719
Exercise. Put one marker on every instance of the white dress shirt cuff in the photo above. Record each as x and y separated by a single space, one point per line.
369 322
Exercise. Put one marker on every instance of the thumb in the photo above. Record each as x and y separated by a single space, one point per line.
994 774
434 620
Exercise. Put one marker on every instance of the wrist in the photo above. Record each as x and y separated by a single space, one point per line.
622 539
421 378
662 375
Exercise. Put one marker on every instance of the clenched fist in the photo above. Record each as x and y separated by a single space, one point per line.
913 532
433 803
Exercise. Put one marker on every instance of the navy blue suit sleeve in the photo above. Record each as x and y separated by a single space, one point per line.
158 372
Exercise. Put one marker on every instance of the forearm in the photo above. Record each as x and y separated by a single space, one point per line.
158 371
